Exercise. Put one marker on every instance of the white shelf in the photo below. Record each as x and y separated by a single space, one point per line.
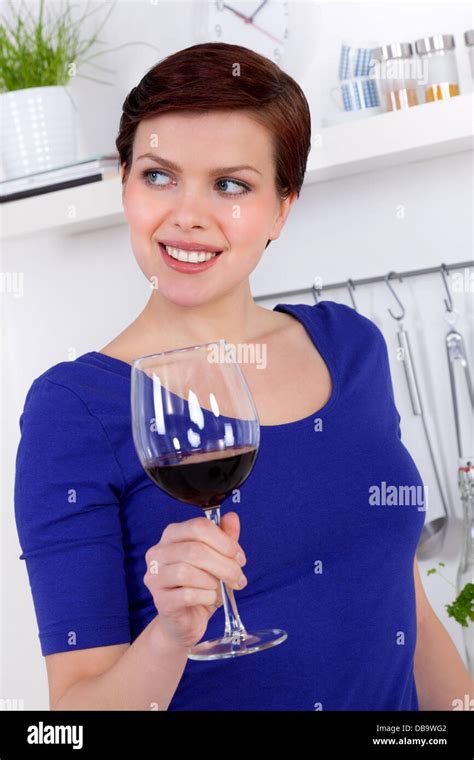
423 132
77 209
419 133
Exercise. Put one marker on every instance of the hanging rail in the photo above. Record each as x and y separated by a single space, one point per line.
364 281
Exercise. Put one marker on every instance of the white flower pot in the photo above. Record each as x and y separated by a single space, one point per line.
37 130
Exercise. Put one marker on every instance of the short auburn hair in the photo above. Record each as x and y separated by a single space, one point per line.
217 76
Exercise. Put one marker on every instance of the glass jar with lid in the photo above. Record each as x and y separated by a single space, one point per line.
469 40
394 68
439 53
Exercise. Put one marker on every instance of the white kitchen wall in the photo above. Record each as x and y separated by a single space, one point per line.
81 291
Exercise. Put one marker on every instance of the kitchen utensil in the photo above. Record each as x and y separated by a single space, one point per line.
434 531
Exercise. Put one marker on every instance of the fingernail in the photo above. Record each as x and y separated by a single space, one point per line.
242 581
240 557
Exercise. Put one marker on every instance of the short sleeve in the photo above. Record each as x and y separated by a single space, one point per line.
368 341
383 368
67 511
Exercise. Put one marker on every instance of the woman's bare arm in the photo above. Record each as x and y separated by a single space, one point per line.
183 572
440 674
144 677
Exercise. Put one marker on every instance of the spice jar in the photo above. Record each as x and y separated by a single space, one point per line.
439 52
397 83
469 40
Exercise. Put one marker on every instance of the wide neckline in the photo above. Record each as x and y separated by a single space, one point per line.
317 338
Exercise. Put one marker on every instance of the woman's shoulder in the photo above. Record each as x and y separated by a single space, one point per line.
75 383
52 394
339 321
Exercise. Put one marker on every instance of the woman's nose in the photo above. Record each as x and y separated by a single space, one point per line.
190 210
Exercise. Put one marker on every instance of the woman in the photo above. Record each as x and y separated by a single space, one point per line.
213 145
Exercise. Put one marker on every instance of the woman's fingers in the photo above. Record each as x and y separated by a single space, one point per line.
200 556
203 530
172 600
183 574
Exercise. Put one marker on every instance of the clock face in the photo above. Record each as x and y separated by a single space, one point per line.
261 25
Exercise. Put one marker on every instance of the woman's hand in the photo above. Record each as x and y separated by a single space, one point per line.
183 573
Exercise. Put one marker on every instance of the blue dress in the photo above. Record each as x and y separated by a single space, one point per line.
330 555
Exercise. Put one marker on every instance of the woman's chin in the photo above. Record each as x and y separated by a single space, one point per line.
186 296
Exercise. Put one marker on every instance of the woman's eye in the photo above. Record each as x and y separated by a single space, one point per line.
154 171
243 188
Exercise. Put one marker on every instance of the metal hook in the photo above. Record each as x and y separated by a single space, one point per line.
449 302
387 282
350 287
316 292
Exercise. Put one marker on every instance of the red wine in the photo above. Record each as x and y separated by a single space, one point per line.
203 478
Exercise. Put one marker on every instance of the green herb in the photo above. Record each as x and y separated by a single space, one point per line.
462 608
43 53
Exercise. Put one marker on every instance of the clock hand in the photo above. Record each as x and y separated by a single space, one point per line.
237 13
258 10
264 31
248 20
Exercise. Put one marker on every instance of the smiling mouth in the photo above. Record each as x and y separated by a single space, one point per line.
189 257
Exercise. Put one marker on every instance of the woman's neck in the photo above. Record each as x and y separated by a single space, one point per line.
234 317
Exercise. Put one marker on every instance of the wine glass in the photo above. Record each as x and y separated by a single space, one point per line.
197 434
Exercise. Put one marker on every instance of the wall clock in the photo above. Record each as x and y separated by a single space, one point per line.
285 31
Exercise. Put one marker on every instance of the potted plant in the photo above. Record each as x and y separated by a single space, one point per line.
38 59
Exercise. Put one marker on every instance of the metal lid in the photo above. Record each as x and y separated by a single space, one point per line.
395 50
469 37
436 43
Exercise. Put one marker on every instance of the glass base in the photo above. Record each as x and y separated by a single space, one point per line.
237 644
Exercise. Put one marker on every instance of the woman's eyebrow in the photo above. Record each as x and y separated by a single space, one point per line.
176 168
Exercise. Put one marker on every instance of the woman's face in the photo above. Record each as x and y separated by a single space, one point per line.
196 201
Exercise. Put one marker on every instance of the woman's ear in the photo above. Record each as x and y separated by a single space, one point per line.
123 184
284 210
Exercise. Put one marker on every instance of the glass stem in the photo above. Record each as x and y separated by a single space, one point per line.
233 624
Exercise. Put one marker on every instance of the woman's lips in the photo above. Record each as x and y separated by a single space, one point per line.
185 266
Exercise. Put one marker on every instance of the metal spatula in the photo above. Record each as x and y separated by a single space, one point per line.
434 531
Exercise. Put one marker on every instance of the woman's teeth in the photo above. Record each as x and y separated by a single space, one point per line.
193 257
